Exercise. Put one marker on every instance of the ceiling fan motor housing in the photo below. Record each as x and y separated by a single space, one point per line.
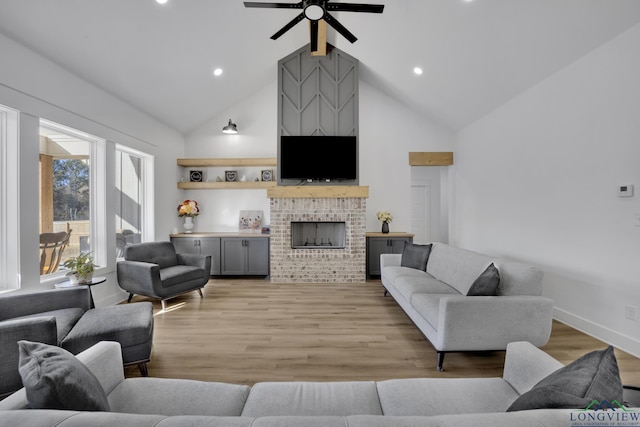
314 10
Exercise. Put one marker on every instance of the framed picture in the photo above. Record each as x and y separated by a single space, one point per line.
195 176
250 220
231 176
267 175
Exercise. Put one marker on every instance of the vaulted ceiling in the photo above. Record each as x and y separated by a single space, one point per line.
476 55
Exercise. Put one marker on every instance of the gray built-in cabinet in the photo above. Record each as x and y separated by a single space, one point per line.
232 256
377 245
244 256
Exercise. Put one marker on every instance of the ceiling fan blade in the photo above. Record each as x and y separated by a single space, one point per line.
313 28
354 7
339 28
273 5
287 27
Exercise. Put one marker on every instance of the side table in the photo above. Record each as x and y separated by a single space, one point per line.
96 280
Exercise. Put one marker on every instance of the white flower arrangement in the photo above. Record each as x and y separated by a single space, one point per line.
385 216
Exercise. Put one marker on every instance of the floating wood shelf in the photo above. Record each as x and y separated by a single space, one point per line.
444 158
242 161
226 185
317 192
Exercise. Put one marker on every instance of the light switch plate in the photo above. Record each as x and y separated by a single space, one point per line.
625 190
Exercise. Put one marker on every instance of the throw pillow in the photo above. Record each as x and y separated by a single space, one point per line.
415 256
594 376
54 379
486 284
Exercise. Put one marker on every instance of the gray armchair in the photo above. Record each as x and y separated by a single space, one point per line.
155 270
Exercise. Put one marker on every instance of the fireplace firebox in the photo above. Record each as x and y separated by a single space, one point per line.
318 234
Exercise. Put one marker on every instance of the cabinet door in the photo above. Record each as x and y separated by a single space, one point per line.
186 245
257 256
232 256
375 247
211 246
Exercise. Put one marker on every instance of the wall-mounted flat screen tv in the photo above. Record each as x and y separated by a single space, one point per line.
318 158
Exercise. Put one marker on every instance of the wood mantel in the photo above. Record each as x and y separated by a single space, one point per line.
317 192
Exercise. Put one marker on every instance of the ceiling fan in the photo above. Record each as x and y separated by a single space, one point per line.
316 10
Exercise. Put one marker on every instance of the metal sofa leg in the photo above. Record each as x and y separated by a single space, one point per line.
386 292
440 360
200 292
130 297
164 305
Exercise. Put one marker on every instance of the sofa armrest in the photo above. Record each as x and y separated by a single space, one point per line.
490 323
139 277
195 260
104 360
525 365
390 260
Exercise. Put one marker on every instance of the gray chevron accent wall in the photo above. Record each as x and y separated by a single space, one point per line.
318 95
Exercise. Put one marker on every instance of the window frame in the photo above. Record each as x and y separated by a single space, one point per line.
98 202
9 199
147 199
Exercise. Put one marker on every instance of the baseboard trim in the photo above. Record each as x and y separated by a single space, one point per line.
611 337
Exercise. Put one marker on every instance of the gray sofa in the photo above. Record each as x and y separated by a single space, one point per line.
63 317
436 300
404 402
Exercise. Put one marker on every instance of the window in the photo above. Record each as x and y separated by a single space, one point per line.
133 197
72 196
9 201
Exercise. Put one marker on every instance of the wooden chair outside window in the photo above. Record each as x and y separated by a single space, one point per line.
52 246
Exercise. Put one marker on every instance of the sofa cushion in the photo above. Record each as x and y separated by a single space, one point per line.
486 284
457 267
179 274
391 273
428 305
54 379
173 397
519 279
415 256
594 376
409 285
312 398
66 319
440 396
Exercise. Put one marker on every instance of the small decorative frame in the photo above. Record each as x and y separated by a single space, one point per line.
250 220
266 175
231 176
195 176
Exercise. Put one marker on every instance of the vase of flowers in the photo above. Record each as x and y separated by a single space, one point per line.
80 268
188 209
385 217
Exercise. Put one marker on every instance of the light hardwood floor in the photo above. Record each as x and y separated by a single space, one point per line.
246 331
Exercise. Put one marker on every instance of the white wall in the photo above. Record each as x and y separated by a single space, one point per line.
536 180
39 88
388 132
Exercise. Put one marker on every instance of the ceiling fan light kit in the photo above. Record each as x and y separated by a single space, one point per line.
316 10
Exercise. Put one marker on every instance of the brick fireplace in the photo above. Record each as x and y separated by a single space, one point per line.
316 264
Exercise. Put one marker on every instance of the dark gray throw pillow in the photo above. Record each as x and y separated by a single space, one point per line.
54 379
594 376
486 284
415 256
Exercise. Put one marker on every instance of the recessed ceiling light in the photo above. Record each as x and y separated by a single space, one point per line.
217 72
417 71
162 1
